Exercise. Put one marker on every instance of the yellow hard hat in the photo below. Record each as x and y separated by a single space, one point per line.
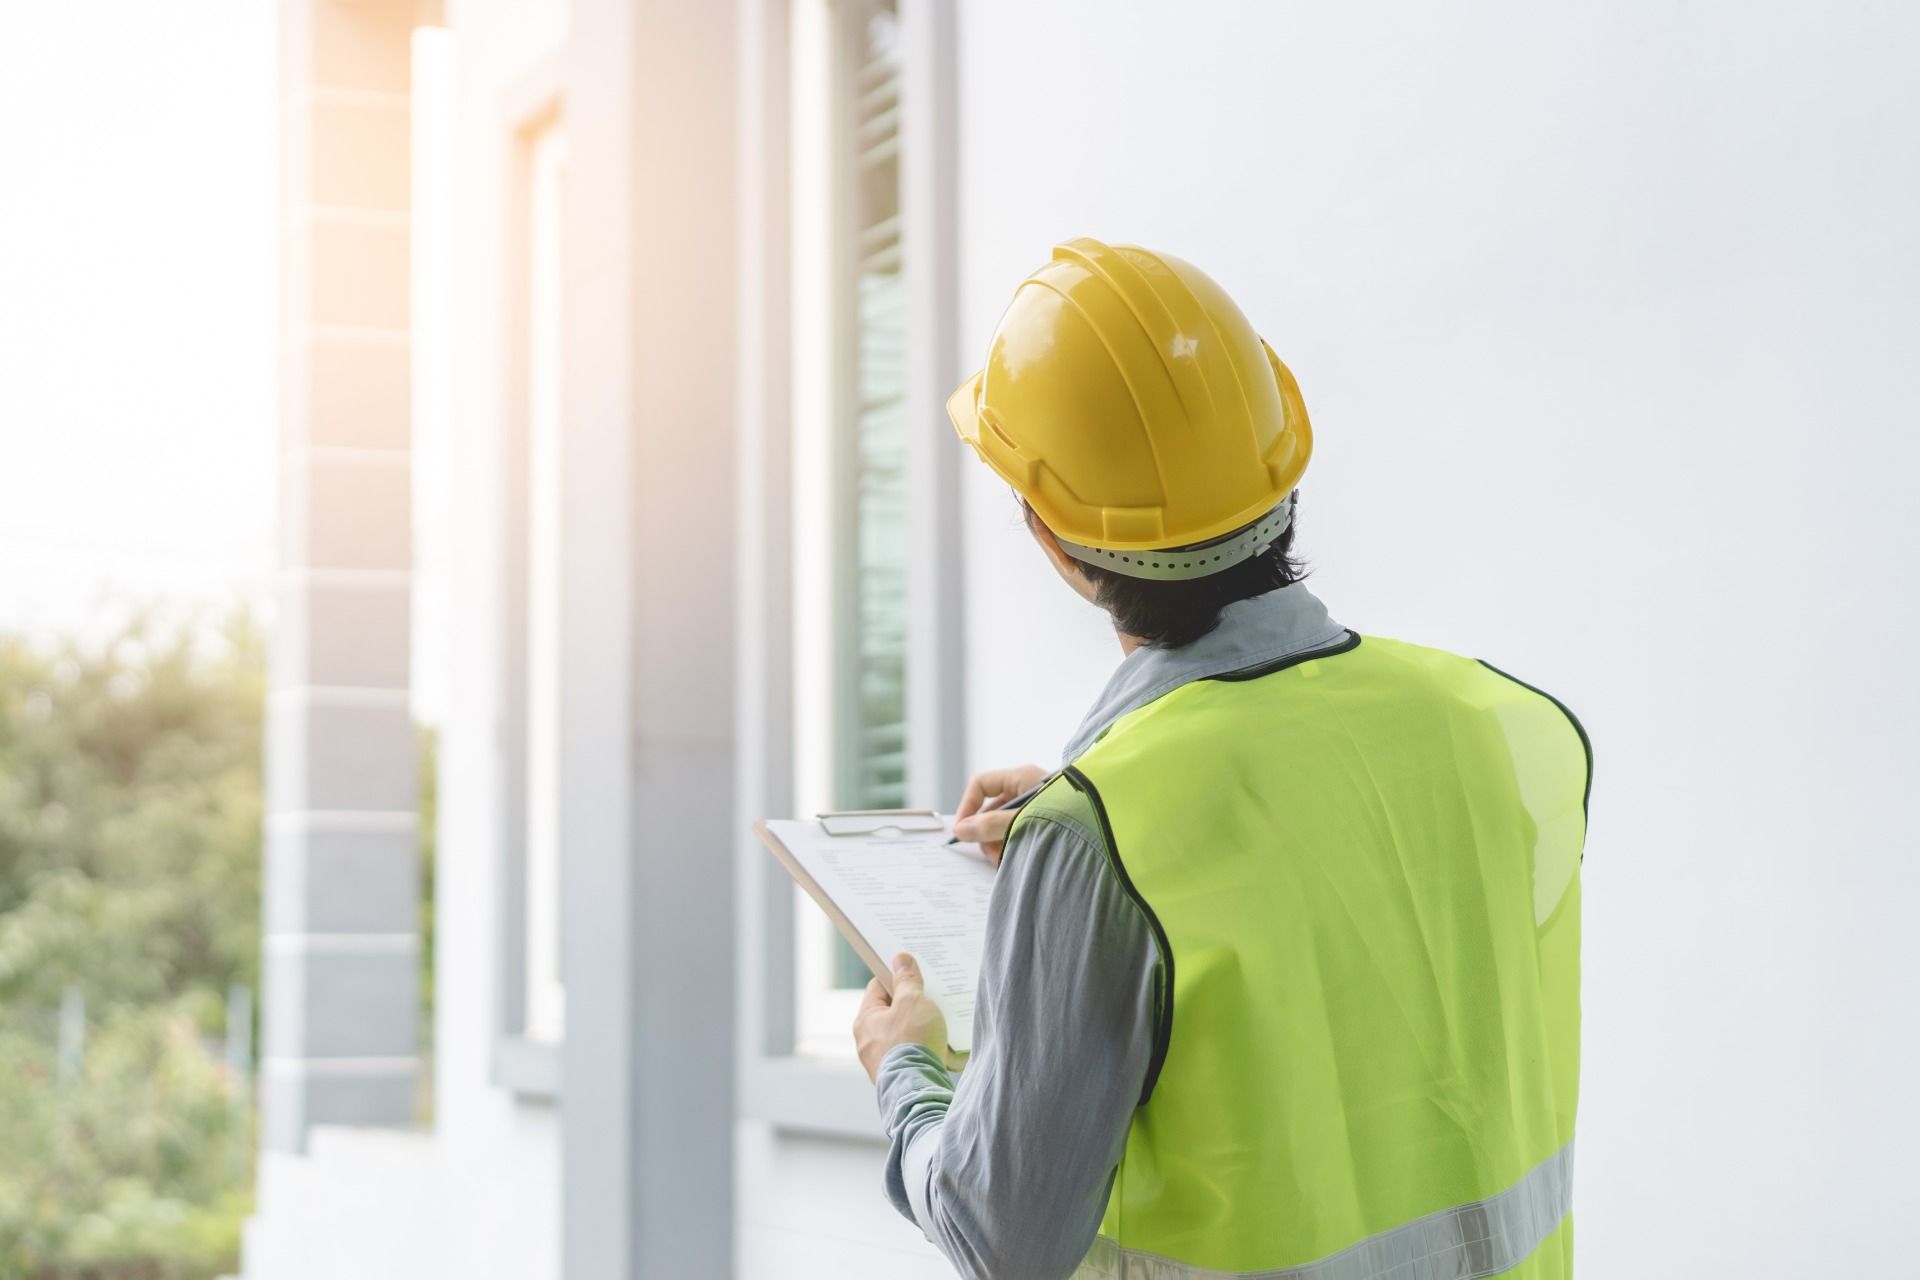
1133 406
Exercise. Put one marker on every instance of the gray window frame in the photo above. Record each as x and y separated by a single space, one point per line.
774 1084
528 1068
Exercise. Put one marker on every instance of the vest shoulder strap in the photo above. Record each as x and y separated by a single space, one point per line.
1062 803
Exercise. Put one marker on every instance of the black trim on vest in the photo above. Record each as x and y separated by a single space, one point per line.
1586 743
1345 645
1163 1028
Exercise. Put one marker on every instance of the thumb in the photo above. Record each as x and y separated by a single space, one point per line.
906 973
986 827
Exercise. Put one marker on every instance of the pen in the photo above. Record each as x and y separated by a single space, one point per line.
1014 803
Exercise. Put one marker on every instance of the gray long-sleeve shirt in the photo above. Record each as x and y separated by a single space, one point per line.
1008 1168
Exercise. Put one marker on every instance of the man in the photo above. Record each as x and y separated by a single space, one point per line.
1282 968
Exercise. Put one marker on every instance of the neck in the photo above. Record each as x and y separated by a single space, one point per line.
1127 643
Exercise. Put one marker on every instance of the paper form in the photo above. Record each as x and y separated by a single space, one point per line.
910 892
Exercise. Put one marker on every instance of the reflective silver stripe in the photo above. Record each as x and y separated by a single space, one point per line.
1178 564
1466 1242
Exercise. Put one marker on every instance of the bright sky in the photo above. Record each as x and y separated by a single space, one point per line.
137 295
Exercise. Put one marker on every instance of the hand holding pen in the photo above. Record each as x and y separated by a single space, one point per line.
978 822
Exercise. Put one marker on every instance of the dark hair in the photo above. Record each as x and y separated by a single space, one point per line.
1167 615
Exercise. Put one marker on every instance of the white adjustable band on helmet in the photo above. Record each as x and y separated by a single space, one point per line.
1201 560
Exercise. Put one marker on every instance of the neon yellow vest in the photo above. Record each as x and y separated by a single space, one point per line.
1362 871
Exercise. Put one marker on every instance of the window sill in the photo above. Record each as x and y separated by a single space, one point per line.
529 1069
811 1096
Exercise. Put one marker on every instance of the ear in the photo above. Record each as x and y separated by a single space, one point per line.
1065 565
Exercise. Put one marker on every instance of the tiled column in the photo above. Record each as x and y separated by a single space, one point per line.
342 885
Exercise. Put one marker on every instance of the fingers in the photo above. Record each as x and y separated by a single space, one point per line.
906 1017
997 784
974 796
906 976
990 827
990 785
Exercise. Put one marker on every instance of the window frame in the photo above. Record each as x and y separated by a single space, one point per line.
527 1067
776 1084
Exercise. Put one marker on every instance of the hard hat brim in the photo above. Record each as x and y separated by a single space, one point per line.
963 410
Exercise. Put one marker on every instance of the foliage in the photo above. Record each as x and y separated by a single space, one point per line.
130 870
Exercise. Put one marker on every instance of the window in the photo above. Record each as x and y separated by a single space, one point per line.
546 1008
870 428
850 503
850 632
853 471
532 997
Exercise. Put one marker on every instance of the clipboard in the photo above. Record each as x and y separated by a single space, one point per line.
935 907
867 822
804 878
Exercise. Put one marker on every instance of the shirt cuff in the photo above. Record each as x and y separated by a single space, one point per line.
914 1089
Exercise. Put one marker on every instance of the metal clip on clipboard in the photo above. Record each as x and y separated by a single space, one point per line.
866 822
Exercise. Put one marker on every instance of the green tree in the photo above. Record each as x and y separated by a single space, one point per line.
130 871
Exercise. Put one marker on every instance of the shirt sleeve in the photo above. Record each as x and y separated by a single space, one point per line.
1007 1167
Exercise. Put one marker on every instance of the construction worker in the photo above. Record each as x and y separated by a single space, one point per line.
1282 967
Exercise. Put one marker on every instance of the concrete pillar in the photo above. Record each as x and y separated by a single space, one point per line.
341 947
647 1101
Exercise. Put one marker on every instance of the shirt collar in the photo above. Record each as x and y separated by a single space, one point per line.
1251 633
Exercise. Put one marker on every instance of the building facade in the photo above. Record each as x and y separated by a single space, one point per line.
709 552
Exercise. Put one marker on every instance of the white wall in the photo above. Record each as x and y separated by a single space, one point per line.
1606 318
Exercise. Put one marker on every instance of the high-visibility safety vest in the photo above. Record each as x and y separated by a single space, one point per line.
1361 867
